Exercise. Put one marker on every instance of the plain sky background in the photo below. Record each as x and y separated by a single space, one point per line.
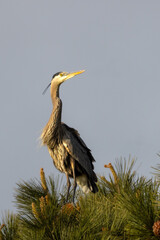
115 104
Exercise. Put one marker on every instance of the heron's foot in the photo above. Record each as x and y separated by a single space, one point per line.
74 204
68 202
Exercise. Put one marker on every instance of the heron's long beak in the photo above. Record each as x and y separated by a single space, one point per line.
70 75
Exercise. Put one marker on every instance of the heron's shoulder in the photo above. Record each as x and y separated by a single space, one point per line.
72 132
65 127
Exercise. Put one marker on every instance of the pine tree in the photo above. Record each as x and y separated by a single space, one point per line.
126 207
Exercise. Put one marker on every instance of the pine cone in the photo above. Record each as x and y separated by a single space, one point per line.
156 228
68 209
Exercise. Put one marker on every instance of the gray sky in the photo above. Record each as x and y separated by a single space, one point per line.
114 104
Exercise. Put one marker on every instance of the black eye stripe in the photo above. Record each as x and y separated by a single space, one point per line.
56 74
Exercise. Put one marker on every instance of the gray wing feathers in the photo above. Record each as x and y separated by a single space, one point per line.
78 150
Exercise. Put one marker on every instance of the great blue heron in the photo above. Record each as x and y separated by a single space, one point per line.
69 152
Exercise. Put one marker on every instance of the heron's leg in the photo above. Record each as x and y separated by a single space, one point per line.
68 185
74 177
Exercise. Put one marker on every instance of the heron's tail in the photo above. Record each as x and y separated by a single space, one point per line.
94 187
86 185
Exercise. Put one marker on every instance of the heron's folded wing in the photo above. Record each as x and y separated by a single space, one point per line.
77 149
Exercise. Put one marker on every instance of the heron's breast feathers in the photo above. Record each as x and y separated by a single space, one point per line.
59 155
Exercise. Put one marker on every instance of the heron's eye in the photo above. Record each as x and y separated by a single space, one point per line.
61 74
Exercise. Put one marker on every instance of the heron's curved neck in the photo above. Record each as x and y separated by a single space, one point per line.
54 93
52 131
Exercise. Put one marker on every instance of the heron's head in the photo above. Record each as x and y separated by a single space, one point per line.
60 77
